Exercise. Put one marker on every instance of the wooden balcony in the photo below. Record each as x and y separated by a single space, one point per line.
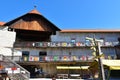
59 58
60 44
56 58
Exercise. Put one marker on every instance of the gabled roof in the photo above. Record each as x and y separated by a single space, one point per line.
33 20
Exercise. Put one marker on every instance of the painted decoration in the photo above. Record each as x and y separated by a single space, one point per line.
31 58
14 68
65 58
78 44
55 58
25 58
74 58
36 58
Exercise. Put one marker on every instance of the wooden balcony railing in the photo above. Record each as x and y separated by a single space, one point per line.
61 58
60 44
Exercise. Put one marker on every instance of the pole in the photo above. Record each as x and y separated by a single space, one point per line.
98 53
101 68
96 43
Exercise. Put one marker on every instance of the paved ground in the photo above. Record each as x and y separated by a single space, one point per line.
56 79
70 79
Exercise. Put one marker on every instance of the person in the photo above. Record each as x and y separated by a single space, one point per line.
53 78
7 78
1 77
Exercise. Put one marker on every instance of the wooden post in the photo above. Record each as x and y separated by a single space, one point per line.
101 68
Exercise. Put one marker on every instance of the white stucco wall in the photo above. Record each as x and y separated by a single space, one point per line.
7 40
80 37
79 51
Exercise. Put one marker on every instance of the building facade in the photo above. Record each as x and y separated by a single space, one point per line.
45 50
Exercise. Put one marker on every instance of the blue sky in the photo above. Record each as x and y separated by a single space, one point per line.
67 14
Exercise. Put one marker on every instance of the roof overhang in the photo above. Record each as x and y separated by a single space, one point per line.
90 31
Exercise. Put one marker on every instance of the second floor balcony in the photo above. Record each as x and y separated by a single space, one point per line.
59 58
61 44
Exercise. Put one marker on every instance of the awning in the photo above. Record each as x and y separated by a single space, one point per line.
62 67
114 67
72 67
112 64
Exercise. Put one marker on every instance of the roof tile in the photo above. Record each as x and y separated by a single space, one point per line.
2 23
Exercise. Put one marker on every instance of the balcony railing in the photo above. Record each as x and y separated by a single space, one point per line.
60 44
56 58
62 58
14 71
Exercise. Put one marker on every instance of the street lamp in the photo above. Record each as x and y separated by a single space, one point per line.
97 48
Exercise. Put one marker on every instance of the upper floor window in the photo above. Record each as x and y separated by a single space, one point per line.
42 53
73 40
25 53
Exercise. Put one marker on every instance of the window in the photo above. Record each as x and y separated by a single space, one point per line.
73 40
25 53
42 53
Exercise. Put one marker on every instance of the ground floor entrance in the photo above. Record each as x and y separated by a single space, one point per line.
61 70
